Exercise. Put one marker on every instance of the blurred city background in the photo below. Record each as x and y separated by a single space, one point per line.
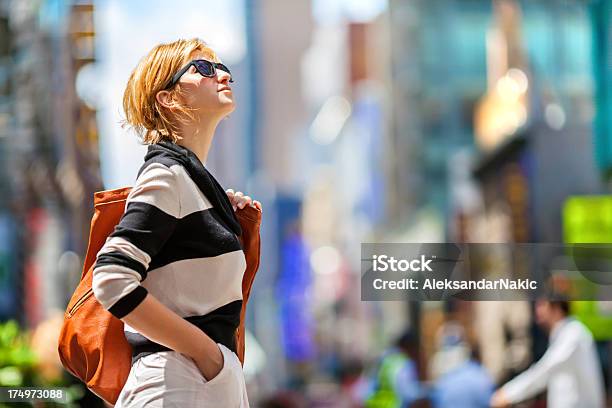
356 121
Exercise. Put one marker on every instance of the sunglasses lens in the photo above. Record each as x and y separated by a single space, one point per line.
224 68
205 68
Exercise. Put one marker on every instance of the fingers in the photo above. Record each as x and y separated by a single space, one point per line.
239 200
244 201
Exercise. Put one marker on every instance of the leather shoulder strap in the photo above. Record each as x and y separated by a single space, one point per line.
107 196
109 206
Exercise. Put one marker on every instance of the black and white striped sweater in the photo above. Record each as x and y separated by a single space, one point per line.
178 240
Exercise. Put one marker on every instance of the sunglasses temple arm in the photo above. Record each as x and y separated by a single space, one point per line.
178 76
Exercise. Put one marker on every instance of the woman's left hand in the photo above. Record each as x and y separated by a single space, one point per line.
239 200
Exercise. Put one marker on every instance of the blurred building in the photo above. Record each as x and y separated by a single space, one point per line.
48 140
534 126
439 71
277 35
492 124
553 129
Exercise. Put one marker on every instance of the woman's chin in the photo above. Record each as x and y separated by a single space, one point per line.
228 106
226 99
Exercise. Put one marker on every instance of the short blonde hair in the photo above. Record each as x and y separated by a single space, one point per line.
143 112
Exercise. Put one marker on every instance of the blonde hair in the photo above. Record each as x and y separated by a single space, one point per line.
151 121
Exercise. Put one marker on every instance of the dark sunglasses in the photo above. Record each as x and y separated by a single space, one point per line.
204 67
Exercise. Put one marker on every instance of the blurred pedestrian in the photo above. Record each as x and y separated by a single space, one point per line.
396 382
569 369
459 380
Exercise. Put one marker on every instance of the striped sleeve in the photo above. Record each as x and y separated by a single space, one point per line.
151 214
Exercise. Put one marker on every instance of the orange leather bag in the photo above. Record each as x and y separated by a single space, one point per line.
92 345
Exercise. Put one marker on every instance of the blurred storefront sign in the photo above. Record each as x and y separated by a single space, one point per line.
588 219
294 296
294 283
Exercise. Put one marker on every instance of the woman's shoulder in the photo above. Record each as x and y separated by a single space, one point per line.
173 179
160 162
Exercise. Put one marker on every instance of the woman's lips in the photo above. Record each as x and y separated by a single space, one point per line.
225 89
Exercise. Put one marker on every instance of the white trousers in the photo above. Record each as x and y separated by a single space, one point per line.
171 379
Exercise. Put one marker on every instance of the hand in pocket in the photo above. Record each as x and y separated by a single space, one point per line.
210 365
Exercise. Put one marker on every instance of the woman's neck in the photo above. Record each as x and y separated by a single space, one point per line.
198 138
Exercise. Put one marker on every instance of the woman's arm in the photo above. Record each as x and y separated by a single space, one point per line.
153 209
158 323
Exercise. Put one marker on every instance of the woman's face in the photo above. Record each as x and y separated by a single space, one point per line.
211 96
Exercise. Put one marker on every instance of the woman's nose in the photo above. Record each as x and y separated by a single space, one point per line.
222 76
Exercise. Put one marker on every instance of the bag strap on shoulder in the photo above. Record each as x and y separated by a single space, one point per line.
108 196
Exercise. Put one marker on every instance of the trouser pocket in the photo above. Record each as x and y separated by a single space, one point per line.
226 389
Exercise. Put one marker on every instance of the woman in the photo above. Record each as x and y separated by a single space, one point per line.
172 269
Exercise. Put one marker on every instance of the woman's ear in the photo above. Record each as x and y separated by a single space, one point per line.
164 99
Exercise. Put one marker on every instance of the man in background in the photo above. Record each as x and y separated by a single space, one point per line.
569 369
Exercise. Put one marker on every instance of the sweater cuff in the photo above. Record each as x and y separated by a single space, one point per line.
129 302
